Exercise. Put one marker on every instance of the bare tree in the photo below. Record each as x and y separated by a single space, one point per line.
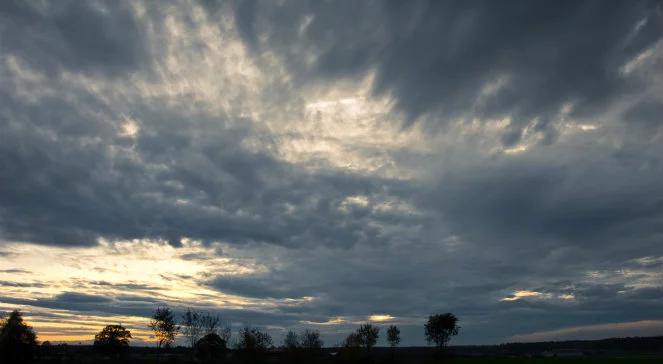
214 324
192 326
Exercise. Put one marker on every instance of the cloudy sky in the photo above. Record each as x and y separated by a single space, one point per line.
320 164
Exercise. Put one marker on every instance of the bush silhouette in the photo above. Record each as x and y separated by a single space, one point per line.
17 339
211 348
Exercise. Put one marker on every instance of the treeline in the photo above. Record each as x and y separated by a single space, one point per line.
209 338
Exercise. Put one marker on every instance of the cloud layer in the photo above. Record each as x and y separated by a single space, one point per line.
290 166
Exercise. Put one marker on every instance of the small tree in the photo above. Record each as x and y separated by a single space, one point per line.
252 344
164 326
17 339
112 339
393 336
291 341
352 341
213 324
198 324
368 335
351 348
440 329
192 326
253 340
310 340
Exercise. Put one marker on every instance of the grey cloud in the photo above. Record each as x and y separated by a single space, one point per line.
22 284
75 297
97 37
485 224
646 114
81 302
235 194
578 202
15 271
257 287
436 56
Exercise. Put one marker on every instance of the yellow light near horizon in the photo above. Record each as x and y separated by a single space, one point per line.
380 318
522 294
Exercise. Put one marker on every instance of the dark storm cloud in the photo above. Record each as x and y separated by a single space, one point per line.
90 303
437 56
134 305
647 115
579 201
257 287
92 37
481 226
234 194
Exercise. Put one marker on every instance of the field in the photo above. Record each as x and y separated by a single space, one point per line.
478 360
590 360
274 358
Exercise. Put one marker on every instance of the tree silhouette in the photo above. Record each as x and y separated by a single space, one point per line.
291 341
17 339
164 326
440 328
253 340
252 344
213 324
292 347
196 324
211 348
112 339
352 347
368 335
393 336
352 341
192 326
310 340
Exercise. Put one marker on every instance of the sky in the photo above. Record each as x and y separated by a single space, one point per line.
320 164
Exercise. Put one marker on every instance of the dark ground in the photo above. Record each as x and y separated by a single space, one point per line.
622 350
